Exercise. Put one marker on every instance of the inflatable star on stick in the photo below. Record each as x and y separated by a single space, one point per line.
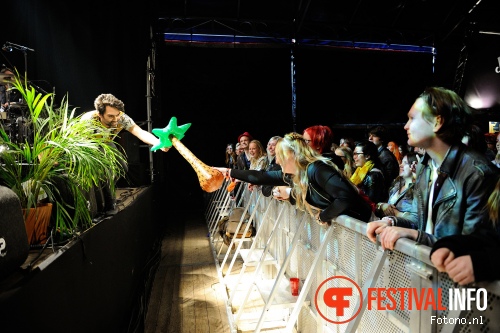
210 179
171 130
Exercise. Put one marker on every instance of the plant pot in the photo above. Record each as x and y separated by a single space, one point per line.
37 221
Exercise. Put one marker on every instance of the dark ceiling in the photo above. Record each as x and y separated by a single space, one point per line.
408 22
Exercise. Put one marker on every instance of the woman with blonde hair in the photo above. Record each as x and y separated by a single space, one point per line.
345 153
258 158
258 155
309 180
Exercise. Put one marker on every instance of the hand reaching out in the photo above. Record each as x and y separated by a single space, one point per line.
224 171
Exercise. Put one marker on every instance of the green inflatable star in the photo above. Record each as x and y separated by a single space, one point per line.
171 130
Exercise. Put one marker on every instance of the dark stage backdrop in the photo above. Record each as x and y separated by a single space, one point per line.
225 92
80 48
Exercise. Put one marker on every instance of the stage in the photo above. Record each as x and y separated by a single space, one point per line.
98 282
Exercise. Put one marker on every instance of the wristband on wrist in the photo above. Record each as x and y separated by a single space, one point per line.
390 221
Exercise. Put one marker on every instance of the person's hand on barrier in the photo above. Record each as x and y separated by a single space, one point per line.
441 257
281 192
461 270
389 235
372 227
318 220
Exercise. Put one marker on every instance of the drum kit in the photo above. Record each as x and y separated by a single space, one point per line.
14 112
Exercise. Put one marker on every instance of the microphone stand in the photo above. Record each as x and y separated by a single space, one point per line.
38 88
23 49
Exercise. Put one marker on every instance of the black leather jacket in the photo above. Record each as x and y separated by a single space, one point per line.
460 204
481 245
390 165
374 186
328 190
267 190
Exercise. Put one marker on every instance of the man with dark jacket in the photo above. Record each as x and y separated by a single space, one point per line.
453 181
390 165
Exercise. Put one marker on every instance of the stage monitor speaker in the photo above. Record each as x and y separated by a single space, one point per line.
14 246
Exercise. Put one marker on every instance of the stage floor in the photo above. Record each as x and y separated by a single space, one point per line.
186 294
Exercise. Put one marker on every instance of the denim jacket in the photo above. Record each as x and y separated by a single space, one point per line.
460 204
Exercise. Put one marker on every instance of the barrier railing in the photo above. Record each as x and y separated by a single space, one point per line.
339 256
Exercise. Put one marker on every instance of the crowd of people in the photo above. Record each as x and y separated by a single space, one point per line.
441 188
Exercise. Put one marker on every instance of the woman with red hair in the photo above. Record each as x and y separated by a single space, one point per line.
320 138
394 148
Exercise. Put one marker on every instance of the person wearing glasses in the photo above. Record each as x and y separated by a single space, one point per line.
110 114
368 175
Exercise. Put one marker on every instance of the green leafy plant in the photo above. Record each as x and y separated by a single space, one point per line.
62 155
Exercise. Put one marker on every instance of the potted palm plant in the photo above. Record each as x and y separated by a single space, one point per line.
58 164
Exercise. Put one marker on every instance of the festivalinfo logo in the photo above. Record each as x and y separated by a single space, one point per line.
339 299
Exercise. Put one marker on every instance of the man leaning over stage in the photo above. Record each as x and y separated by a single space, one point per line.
110 113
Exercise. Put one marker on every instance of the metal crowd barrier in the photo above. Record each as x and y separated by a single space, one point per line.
319 255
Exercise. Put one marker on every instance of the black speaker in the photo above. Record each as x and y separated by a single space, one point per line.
14 246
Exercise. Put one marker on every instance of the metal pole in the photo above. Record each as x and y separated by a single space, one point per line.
149 78
294 95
